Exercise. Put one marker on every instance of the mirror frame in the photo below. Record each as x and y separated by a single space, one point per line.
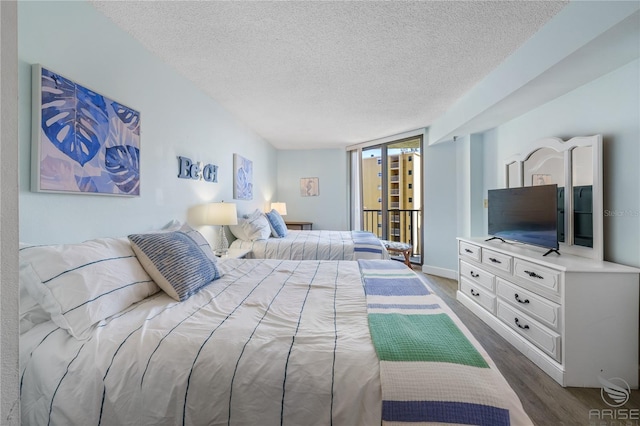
566 147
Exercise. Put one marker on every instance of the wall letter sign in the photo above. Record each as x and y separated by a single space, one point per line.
190 170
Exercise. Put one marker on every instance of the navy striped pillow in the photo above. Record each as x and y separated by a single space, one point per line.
277 223
199 239
175 262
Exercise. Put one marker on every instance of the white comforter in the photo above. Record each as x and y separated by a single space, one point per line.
260 346
316 245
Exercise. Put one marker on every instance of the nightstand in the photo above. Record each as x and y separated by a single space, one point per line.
300 226
235 254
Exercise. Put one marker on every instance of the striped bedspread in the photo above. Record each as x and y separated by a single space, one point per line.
431 367
272 342
317 245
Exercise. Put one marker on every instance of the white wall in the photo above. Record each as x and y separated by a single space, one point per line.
330 209
9 380
459 174
441 209
177 119
609 105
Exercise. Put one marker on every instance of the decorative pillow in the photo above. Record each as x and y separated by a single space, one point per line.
31 313
253 227
200 240
277 224
79 285
175 262
172 225
238 230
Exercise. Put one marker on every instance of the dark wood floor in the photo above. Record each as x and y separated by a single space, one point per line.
546 402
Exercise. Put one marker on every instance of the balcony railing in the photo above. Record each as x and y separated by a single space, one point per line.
403 226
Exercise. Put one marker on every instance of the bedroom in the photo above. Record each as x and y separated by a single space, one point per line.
615 91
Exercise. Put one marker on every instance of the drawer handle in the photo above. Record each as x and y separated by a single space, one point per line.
474 293
524 327
468 251
524 302
533 275
494 260
473 274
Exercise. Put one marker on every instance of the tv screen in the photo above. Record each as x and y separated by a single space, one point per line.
528 215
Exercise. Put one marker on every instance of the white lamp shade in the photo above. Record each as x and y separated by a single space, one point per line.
280 208
220 214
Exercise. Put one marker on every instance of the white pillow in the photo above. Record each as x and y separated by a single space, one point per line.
200 240
31 313
175 261
81 284
253 227
238 230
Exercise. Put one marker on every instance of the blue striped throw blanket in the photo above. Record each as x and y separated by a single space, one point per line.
367 246
431 367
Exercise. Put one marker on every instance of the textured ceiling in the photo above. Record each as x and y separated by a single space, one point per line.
314 74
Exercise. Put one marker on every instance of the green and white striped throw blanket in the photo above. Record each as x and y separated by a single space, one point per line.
432 369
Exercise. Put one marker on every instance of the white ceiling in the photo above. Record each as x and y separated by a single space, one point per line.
325 74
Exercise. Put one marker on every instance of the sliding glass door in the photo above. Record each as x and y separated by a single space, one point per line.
392 192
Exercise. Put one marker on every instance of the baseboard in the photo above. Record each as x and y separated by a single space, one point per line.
440 272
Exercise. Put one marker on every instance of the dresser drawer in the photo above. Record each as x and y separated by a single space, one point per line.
478 294
535 306
478 275
497 260
469 251
536 333
542 278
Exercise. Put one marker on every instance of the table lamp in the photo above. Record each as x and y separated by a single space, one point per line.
221 214
280 208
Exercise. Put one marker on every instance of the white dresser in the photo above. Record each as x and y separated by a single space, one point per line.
575 318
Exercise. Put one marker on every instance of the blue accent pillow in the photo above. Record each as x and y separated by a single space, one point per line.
175 262
277 224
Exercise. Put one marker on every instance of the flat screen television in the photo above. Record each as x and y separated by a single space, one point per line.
527 215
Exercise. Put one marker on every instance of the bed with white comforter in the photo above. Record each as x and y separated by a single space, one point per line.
316 245
268 342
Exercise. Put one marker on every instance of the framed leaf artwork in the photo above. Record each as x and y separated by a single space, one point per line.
82 142
242 178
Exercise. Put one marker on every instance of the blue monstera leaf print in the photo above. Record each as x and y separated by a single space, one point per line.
128 116
244 180
122 162
86 184
74 119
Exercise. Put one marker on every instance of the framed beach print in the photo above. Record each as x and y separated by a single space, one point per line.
82 141
541 179
242 178
309 187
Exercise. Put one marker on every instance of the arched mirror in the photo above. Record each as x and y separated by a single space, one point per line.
582 183
513 175
576 167
545 166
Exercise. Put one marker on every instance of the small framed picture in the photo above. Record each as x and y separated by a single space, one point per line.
242 178
541 179
309 187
